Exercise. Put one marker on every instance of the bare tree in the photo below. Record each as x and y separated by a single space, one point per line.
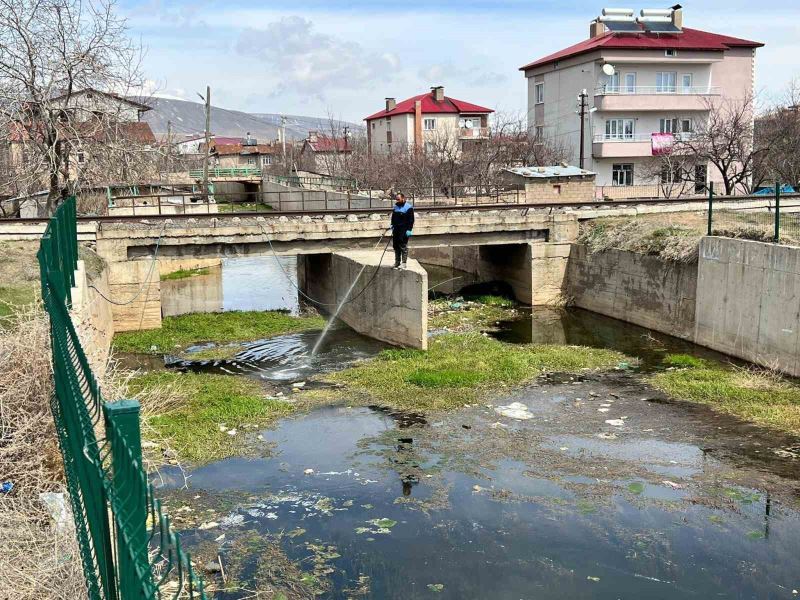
724 140
778 132
53 51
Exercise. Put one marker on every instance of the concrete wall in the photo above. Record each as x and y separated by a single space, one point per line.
636 288
394 308
748 301
92 317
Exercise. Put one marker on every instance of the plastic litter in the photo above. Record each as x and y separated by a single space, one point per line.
6 487
515 410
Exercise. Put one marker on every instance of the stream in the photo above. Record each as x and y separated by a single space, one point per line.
676 502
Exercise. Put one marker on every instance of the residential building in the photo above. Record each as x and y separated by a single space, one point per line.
426 121
324 154
646 80
244 153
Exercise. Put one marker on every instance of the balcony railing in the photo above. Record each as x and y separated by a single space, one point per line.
474 132
644 90
636 137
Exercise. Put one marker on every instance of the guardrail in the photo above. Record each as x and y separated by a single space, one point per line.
123 535
645 90
228 172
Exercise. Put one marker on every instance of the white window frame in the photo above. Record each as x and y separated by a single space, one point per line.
538 133
538 92
613 83
80 156
251 161
429 147
666 82
630 83
266 160
668 125
468 122
671 52
429 124
620 172
687 89
620 129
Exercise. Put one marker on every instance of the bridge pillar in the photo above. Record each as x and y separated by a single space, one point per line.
393 307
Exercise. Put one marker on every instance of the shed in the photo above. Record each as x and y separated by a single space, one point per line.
558 183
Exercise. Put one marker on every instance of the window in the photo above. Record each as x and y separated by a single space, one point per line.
429 147
251 160
619 129
266 160
630 83
81 158
539 132
622 174
467 122
672 175
388 137
613 83
388 124
700 174
429 124
671 53
666 82
668 125
686 83
539 92
373 125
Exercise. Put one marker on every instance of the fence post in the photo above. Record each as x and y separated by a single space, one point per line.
710 204
777 211
122 429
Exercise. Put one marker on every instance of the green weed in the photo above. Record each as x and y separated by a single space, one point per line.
185 273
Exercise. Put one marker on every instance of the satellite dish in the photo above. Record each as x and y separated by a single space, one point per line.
609 69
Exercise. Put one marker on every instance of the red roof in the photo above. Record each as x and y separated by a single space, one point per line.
689 39
431 106
323 143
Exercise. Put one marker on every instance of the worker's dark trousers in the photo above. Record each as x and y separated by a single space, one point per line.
400 245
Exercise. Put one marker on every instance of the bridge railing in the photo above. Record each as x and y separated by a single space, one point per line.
123 535
226 172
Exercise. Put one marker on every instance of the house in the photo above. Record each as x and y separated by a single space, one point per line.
244 153
324 154
426 121
643 81
89 104
559 183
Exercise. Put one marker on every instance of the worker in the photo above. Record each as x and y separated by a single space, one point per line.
402 224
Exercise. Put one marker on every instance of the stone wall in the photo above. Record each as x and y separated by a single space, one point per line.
636 288
394 308
748 301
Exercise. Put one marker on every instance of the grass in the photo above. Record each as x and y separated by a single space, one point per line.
12 297
185 273
244 207
683 361
460 369
177 333
756 395
479 313
205 404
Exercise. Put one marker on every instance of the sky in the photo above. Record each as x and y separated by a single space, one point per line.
341 59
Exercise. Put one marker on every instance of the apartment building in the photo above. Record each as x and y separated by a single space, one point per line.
231 153
645 80
426 122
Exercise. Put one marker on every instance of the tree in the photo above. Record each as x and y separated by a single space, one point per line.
724 140
52 52
778 132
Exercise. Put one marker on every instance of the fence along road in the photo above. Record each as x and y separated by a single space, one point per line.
123 534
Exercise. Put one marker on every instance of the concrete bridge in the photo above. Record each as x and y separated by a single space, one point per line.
526 248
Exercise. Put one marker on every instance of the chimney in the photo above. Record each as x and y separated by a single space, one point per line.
677 16
312 136
596 29
438 93
390 104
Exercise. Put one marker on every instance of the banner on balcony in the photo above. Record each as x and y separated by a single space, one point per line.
661 143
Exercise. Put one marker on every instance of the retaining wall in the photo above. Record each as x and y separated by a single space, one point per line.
394 308
748 301
636 288
92 317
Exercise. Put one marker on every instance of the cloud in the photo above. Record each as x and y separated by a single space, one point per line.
442 73
310 62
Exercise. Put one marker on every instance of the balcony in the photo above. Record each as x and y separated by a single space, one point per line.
631 145
473 133
655 98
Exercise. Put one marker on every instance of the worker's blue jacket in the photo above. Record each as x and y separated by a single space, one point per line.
402 219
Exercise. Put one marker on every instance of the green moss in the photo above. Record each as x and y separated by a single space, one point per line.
205 403
754 395
185 273
686 361
179 332
459 369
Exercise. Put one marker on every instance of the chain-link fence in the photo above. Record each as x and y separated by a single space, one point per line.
771 216
128 549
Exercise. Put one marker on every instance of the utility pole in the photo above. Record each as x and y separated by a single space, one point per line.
208 141
283 138
169 149
582 112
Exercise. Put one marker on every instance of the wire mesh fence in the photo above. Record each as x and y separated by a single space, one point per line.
773 216
128 549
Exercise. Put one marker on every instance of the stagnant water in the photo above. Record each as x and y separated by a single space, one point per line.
677 502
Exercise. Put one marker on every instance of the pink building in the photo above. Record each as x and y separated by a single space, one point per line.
645 78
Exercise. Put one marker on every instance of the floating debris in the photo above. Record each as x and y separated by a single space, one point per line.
515 410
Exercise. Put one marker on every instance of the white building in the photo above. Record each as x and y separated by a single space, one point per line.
646 78
426 122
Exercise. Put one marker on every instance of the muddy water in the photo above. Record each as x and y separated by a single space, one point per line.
668 501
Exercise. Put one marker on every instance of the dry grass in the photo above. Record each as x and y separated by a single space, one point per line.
36 562
666 239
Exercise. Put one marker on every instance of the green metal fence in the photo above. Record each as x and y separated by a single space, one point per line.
227 172
128 549
772 216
